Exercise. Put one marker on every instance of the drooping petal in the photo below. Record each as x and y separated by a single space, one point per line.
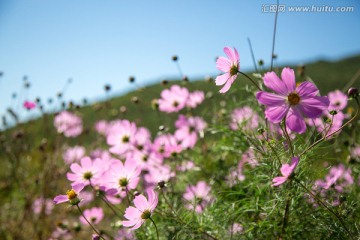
152 199
86 162
221 79
130 223
61 199
138 224
272 81
307 89
270 99
278 181
295 122
228 84
288 77
223 64
277 113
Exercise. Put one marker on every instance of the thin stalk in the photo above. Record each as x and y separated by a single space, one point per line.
324 205
274 35
252 55
326 136
157 232
277 156
284 130
82 214
256 85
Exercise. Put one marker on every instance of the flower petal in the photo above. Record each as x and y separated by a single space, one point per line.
228 84
307 89
273 82
278 181
77 187
230 54
313 107
60 199
288 77
221 79
277 113
223 64
270 99
132 213
295 122
141 203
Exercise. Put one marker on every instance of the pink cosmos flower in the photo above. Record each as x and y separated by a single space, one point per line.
230 66
355 152
236 228
93 215
73 154
338 100
72 196
286 170
142 211
89 171
244 118
122 177
291 102
198 196
173 100
68 123
166 145
121 136
159 173
125 234
188 130
29 105
195 98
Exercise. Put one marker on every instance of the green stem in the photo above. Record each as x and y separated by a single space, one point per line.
256 85
157 232
82 214
325 206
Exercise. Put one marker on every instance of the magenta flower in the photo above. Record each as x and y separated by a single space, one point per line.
286 170
72 196
68 123
188 130
29 105
121 136
173 100
43 204
142 211
291 102
198 196
93 215
230 66
88 172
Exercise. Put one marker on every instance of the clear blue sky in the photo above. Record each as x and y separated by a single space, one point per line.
97 42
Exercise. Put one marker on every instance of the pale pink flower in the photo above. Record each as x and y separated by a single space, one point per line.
166 145
142 211
173 100
230 66
198 196
286 170
125 234
355 152
88 172
73 154
236 228
159 173
29 105
121 136
338 100
102 127
188 130
244 118
93 215
195 98
68 123
122 177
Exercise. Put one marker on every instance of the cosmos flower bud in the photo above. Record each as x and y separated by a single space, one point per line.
107 88
333 112
131 79
353 92
175 58
164 82
123 109
261 62
135 100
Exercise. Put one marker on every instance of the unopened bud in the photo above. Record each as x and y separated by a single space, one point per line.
175 58
353 92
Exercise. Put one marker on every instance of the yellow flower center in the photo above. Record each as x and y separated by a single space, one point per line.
294 98
71 194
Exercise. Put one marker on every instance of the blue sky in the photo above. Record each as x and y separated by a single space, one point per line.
104 42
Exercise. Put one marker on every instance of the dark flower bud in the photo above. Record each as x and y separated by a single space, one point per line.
175 58
185 78
131 79
261 62
260 130
107 87
164 82
353 92
135 100
333 112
